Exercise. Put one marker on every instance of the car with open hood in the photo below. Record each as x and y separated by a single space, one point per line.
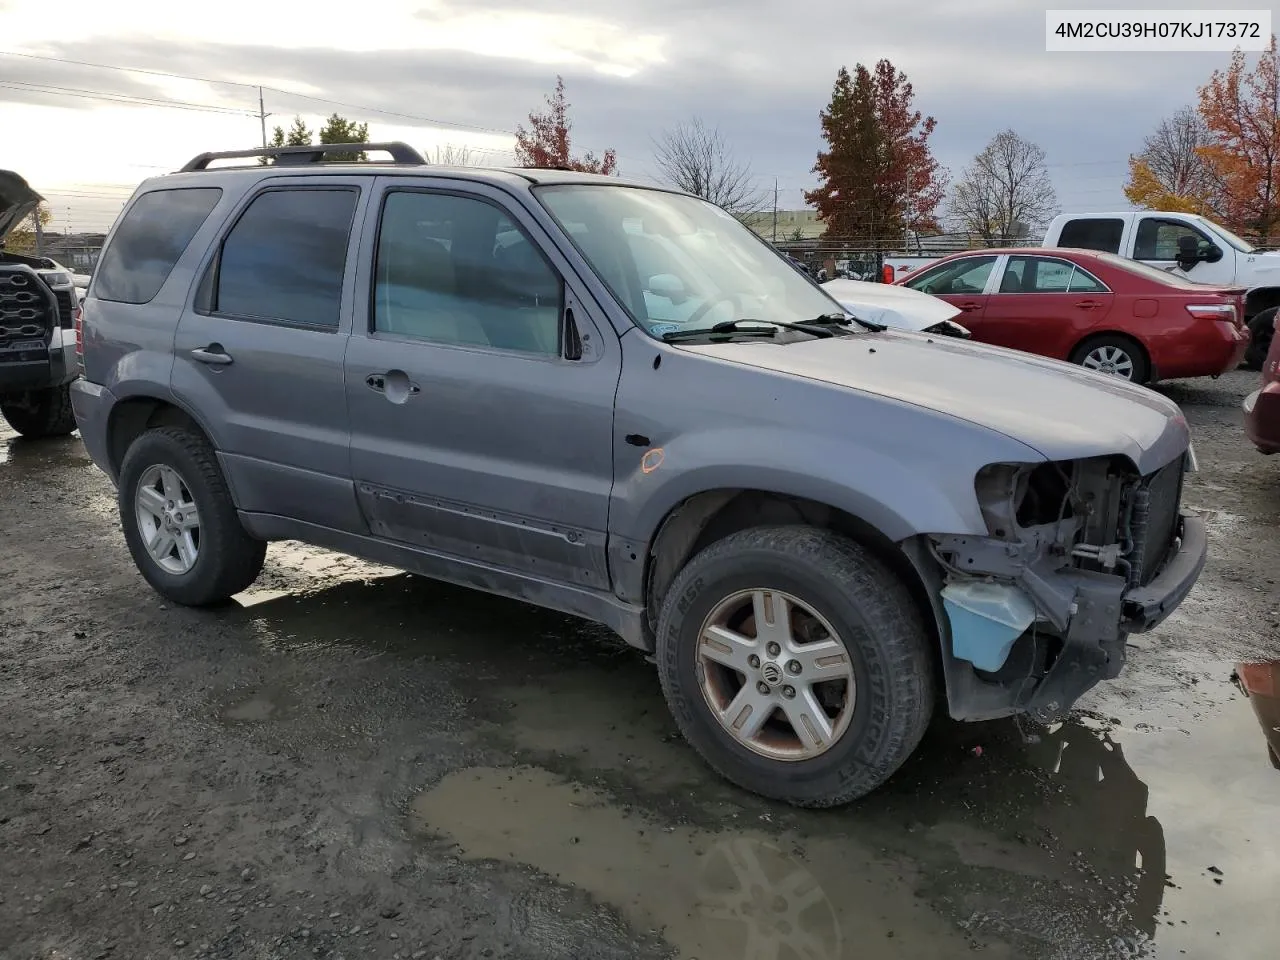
616 401
38 303
900 308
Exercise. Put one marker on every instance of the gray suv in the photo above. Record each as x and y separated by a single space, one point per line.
617 402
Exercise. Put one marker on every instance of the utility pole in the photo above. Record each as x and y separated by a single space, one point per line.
39 232
775 209
262 118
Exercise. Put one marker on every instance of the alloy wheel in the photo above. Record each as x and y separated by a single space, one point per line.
776 675
168 519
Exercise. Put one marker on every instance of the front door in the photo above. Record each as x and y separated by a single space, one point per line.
259 353
1156 241
478 430
963 283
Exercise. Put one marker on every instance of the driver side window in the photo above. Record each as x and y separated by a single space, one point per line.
968 275
1158 239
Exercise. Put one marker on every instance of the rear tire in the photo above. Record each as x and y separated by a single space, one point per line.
875 720
1113 354
206 568
40 413
1261 331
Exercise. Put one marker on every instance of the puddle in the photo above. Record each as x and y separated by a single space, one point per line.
21 454
257 706
712 895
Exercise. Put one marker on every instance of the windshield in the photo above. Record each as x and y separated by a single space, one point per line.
1242 245
677 263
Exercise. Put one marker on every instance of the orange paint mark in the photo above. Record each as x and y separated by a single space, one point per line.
652 460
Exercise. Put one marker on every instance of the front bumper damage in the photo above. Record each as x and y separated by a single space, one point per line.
1032 621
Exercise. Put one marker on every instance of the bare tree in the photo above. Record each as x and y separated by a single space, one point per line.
452 155
1172 171
696 159
1005 191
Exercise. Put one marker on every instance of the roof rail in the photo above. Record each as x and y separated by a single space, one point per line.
295 156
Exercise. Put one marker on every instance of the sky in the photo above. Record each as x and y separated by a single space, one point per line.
466 72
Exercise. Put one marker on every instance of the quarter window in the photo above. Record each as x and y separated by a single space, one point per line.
148 242
285 258
457 270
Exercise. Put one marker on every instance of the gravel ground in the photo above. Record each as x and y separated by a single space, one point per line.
351 762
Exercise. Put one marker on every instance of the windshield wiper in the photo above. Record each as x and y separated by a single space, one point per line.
844 319
751 326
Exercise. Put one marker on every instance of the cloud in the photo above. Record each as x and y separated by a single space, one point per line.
761 70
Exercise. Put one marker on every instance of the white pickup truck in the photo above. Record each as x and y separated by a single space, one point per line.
1190 246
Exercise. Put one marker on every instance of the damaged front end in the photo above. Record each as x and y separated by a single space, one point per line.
1078 555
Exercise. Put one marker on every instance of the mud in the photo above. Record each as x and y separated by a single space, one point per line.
350 762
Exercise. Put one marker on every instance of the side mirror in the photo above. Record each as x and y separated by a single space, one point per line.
668 285
1188 252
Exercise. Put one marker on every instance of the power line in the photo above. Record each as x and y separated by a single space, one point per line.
433 121
128 98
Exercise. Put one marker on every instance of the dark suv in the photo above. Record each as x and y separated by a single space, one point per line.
38 302
618 402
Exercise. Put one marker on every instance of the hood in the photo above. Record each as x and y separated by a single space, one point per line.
17 200
899 307
1062 411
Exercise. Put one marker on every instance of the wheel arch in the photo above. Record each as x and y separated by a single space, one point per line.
709 516
131 417
1259 299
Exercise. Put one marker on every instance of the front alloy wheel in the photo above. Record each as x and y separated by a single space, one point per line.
776 675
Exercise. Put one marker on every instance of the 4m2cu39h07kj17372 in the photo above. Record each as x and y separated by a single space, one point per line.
616 401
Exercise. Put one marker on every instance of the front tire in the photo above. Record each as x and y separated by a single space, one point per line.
37 414
180 523
1261 331
796 664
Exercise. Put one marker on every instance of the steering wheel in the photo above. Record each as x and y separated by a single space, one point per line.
703 310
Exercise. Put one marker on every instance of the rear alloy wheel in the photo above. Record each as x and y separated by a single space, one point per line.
40 413
1114 356
1262 329
180 522
796 664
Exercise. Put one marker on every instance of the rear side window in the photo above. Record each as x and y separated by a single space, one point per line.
149 241
1092 233
285 258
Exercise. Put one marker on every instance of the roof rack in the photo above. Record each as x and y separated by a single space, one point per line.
302 155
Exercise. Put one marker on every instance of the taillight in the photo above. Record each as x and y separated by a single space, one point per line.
78 313
1214 311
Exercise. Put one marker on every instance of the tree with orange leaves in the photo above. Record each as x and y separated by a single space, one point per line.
546 143
1241 108
879 177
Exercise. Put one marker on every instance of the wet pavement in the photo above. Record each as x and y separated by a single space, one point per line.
353 762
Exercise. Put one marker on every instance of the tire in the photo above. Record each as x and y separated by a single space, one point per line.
40 413
227 560
1115 347
871 612
1261 331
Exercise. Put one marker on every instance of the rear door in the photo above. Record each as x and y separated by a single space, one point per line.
1044 305
963 283
479 430
260 351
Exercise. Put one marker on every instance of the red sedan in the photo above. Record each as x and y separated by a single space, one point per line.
1095 309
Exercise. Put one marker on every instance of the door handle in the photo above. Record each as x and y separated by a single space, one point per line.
395 385
213 355
1088 304
970 306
